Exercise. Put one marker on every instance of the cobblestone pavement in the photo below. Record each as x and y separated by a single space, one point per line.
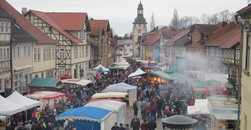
129 116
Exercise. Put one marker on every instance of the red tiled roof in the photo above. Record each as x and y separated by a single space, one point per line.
243 9
52 20
176 37
151 38
169 32
97 24
232 41
26 25
69 21
226 37
207 29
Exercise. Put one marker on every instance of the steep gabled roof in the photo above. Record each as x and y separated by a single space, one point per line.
4 14
53 18
225 38
18 34
176 37
168 32
97 26
26 25
151 38
69 21
206 29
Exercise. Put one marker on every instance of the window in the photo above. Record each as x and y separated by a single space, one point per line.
217 52
212 51
82 35
13 51
237 55
15 80
1 53
61 53
139 31
220 52
38 55
53 52
61 71
4 54
35 54
79 52
247 63
83 51
18 52
24 50
6 27
86 51
75 52
196 37
2 26
49 53
44 53
8 53
29 50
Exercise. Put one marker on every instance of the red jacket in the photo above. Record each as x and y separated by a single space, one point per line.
143 126
148 108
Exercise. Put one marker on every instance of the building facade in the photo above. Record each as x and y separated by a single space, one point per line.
124 48
245 15
139 28
5 42
72 53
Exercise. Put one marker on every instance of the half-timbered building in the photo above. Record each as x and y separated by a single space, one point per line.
72 53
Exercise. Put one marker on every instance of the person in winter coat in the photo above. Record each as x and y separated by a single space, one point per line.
135 108
144 125
148 110
115 127
143 109
152 124
135 123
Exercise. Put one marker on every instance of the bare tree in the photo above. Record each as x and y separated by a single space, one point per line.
205 19
188 21
175 20
214 19
152 22
226 16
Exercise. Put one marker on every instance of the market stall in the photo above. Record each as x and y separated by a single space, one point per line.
101 66
113 95
89 118
160 77
138 72
95 100
44 84
118 107
21 100
77 82
123 87
47 97
8 108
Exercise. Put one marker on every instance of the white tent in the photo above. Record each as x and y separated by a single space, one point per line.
123 87
8 108
109 95
21 100
118 107
138 72
201 106
96 68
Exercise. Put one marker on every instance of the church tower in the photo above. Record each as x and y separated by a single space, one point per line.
139 28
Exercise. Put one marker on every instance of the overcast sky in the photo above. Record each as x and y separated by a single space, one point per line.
121 13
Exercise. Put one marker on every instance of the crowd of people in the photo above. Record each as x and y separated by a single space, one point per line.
156 100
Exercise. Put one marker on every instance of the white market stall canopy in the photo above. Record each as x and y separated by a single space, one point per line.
82 82
138 72
101 66
118 107
219 77
109 95
8 108
201 106
45 95
21 100
120 87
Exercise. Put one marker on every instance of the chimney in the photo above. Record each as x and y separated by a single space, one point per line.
24 10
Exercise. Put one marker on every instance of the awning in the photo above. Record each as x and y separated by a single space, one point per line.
212 83
43 82
163 75
110 95
115 68
8 108
82 82
120 87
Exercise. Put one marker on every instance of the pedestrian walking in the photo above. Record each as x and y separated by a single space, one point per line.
115 127
121 126
135 123
135 108
143 109
144 125
152 124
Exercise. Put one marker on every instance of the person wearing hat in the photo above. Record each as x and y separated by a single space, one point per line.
115 127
